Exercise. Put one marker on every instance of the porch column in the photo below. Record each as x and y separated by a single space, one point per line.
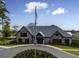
43 40
70 41
63 41
35 41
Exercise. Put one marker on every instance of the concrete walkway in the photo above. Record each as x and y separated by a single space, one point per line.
12 51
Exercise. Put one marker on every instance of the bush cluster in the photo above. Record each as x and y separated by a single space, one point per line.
75 43
7 42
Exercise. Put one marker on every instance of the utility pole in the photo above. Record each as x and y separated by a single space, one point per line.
35 28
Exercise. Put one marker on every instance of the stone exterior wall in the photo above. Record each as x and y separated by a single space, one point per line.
29 36
46 40
58 36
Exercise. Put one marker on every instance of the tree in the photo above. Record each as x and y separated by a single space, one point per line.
73 31
6 29
3 12
4 20
31 24
15 29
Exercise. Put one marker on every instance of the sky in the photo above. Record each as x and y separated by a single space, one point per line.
63 13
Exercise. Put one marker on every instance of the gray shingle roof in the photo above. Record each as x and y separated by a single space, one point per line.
47 30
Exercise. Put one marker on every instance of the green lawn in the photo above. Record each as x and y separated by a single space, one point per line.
74 52
65 47
68 47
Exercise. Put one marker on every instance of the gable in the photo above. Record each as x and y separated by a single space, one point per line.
62 32
23 30
57 34
40 34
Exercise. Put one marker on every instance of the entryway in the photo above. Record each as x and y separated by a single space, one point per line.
39 38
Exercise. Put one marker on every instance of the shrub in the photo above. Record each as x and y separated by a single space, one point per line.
7 42
50 43
13 42
75 43
2 39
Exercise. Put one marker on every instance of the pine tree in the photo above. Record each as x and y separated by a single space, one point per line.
4 20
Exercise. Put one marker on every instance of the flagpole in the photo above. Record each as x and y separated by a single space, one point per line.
35 28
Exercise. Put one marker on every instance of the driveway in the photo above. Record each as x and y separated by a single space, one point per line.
2 49
10 52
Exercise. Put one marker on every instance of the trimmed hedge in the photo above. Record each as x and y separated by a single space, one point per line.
31 54
7 42
75 43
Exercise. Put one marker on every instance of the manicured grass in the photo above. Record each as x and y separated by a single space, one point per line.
31 54
74 52
68 47
65 47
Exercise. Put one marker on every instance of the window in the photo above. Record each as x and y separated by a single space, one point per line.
23 34
20 41
66 41
56 34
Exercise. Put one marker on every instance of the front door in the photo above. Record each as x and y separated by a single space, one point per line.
40 40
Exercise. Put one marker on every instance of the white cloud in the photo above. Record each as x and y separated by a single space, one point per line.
58 11
31 6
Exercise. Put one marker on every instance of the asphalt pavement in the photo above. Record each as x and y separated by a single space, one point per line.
10 52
